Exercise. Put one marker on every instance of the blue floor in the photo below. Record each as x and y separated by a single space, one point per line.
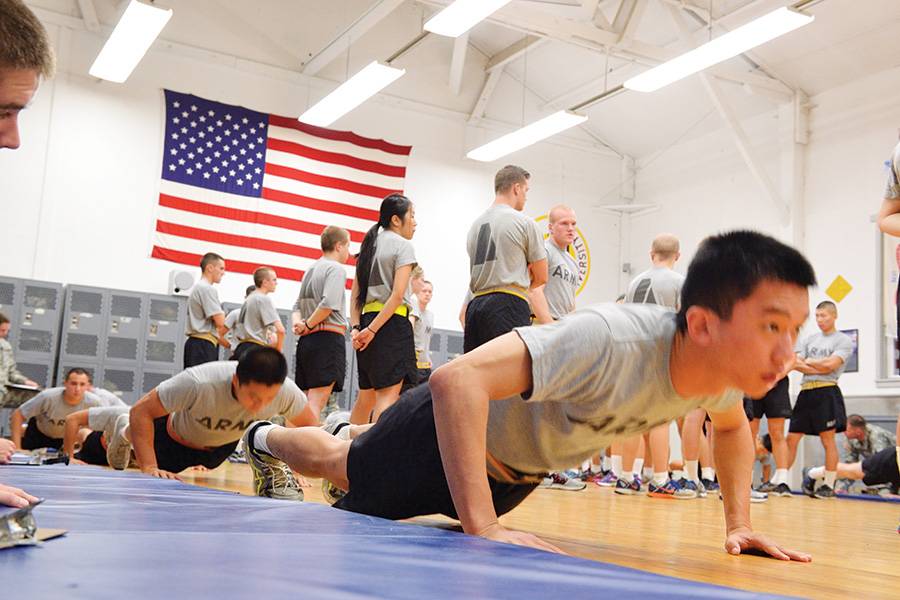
135 537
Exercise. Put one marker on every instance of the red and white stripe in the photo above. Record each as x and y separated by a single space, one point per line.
314 177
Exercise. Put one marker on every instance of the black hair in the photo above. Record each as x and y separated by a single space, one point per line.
728 267
394 205
264 365
767 442
827 304
78 371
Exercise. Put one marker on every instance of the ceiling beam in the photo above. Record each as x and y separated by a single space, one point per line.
337 46
487 90
512 52
458 62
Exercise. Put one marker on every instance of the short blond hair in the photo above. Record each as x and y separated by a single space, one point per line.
25 43
665 246
332 235
553 215
417 273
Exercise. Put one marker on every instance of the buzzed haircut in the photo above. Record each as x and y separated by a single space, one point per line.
665 246
728 268
262 364
250 289
552 215
208 259
332 235
3 319
426 282
509 176
78 371
261 274
827 304
25 44
856 421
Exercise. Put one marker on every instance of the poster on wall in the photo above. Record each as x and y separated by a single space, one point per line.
853 361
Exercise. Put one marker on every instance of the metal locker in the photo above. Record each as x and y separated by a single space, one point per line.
453 344
84 325
437 348
125 327
37 370
152 379
290 340
163 346
123 381
11 304
38 324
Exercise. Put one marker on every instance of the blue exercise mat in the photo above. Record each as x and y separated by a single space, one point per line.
131 536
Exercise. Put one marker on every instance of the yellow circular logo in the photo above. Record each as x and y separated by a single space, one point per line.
579 251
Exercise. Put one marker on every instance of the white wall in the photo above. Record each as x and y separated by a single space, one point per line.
703 186
83 188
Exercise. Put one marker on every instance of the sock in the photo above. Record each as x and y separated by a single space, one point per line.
259 438
816 472
677 474
660 479
781 476
648 473
708 473
638 466
830 477
606 463
690 467
616 464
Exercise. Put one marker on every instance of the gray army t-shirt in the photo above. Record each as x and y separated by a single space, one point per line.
502 242
235 331
50 410
422 336
205 412
562 280
599 374
657 285
892 189
203 305
103 418
818 346
323 287
257 314
392 251
108 397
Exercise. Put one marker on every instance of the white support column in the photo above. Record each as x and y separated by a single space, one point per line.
793 134
458 62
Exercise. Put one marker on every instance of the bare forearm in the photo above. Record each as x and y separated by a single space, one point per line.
16 426
539 305
69 437
460 418
318 317
734 462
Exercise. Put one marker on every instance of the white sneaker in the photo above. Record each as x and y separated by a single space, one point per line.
558 481
118 448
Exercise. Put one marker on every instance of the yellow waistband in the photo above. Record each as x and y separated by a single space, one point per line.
205 336
522 295
252 341
374 307
813 385
423 365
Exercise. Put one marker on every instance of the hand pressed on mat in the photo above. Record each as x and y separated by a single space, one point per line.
746 541
498 533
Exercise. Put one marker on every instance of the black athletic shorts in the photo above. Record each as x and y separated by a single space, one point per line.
390 358
321 360
881 467
34 438
776 404
395 468
197 352
92 451
492 315
818 410
174 457
422 375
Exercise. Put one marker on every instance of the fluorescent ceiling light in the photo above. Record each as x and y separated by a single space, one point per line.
528 135
139 26
754 33
350 94
462 15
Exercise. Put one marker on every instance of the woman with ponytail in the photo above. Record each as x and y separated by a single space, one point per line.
380 308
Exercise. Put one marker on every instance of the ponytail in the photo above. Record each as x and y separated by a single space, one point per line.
395 204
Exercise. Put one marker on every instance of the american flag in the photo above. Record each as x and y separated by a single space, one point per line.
259 189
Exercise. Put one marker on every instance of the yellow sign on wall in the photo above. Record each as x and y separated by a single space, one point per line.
839 289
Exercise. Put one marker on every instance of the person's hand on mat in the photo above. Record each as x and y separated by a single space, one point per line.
157 472
363 338
13 496
749 542
498 533
75 461
6 450
200 468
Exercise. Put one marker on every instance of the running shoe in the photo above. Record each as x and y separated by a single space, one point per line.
767 487
687 490
808 486
710 485
272 478
628 488
608 480
558 481
824 492
666 491
783 490
118 448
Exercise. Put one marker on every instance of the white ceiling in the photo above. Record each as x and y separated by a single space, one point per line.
849 39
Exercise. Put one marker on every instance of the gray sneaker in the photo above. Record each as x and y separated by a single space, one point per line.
767 488
558 481
118 448
272 478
